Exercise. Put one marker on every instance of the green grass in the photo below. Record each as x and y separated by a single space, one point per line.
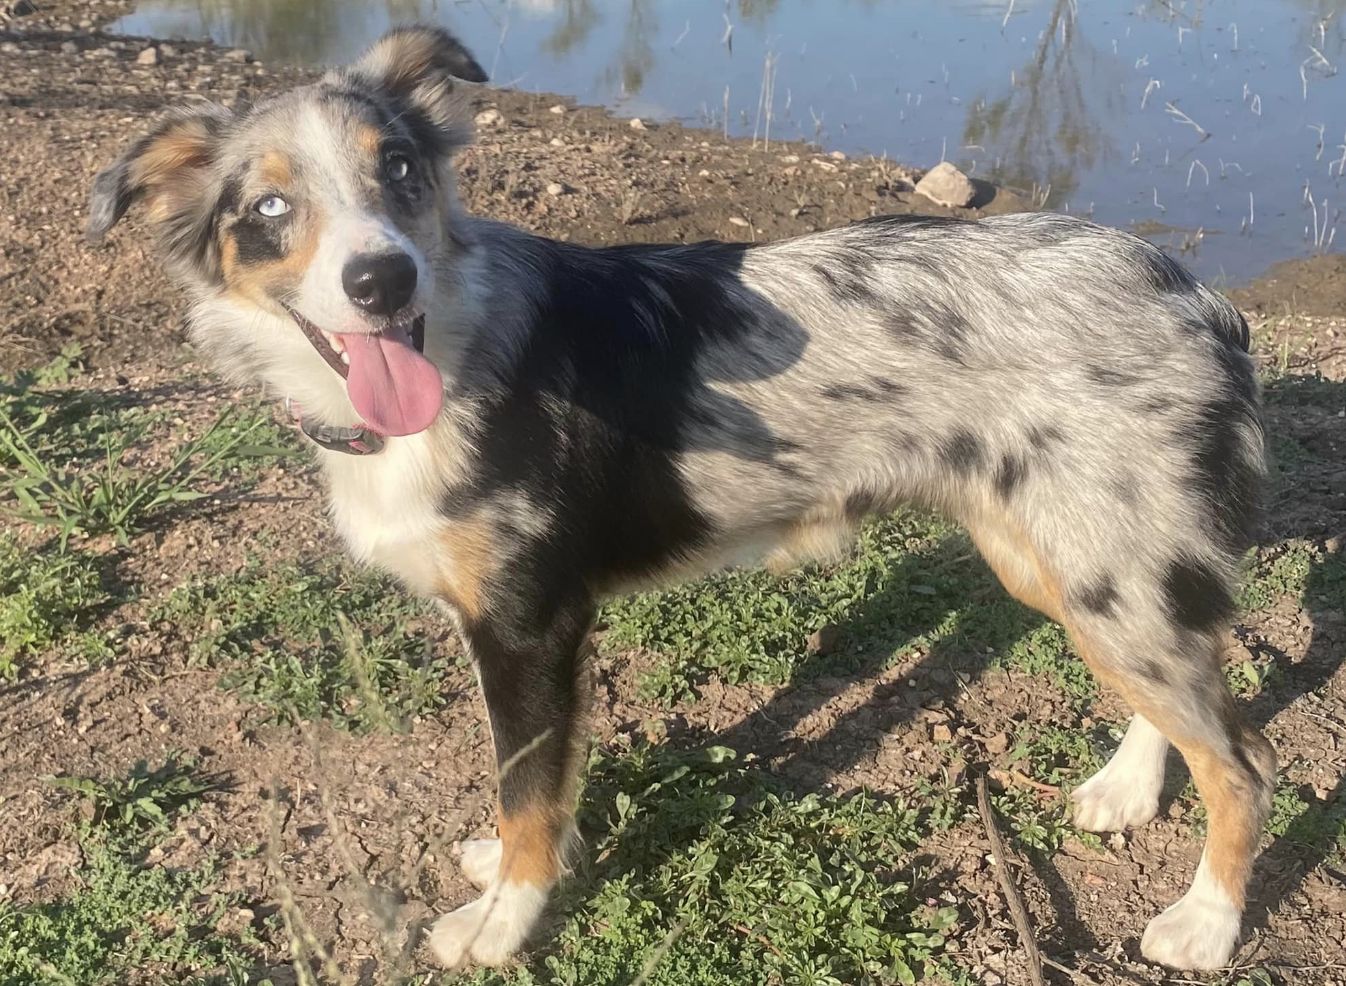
1052 755
145 799
913 582
708 874
124 921
73 459
46 599
313 643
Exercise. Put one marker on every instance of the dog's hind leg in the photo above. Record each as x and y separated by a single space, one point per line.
530 657
1185 698
1155 639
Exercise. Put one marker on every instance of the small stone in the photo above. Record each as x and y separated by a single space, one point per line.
557 142
838 155
150 56
489 118
560 109
69 47
941 733
997 743
22 8
637 124
238 55
947 186
168 51
9 48
790 159
555 189
703 173
737 221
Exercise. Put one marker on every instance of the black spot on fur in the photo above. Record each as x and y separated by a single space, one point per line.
1045 437
1196 596
1167 275
1225 472
849 278
606 396
1101 597
260 240
1110 378
879 390
962 451
1154 672
1010 474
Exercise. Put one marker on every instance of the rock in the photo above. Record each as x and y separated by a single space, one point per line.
69 48
838 155
489 118
237 55
556 188
168 51
637 124
946 185
557 142
738 221
941 733
150 56
559 109
9 48
997 743
22 8
790 159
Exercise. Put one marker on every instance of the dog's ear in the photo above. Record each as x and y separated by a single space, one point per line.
168 168
417 66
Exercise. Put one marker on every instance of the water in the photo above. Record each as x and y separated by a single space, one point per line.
1216 128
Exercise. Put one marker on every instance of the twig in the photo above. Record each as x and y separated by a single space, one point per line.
1008 777
1000 854
1074 974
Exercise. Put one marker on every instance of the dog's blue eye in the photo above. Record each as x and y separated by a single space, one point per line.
273 207
396 167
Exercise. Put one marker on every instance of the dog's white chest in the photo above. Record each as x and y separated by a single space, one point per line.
384 507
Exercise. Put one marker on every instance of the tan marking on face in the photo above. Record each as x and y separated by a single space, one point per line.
471 551
260 283
368 139
530 844
276 171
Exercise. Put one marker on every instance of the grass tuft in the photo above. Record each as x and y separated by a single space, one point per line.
278 632
45 599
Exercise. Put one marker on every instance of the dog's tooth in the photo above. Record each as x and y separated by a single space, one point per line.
346 358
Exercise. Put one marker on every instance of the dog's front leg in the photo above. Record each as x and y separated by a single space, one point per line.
530 660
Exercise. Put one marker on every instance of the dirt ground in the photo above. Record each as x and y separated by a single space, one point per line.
70 98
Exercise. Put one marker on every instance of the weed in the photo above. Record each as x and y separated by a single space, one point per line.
1045 652
278 632
912 582
127 922
1278 571
44 598
146 799
1051 755
709 874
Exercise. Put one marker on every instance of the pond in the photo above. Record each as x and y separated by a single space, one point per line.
1216 128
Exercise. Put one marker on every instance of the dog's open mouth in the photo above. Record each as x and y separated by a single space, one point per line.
394 388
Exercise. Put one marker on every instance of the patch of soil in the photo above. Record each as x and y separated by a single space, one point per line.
360 829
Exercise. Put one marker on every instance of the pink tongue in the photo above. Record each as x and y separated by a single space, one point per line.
396 390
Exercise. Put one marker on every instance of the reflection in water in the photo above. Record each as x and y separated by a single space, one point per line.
1043 134
1062 95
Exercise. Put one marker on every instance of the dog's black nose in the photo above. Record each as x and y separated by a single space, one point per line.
380 283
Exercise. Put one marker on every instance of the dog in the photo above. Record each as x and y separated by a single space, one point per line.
519 428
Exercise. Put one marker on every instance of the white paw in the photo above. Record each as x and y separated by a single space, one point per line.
479 860
491 929
1113 802
1198 932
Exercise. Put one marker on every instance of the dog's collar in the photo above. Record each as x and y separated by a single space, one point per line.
351 441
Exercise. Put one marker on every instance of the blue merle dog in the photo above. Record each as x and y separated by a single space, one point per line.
520 427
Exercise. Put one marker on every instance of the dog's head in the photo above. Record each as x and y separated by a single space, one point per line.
310 226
